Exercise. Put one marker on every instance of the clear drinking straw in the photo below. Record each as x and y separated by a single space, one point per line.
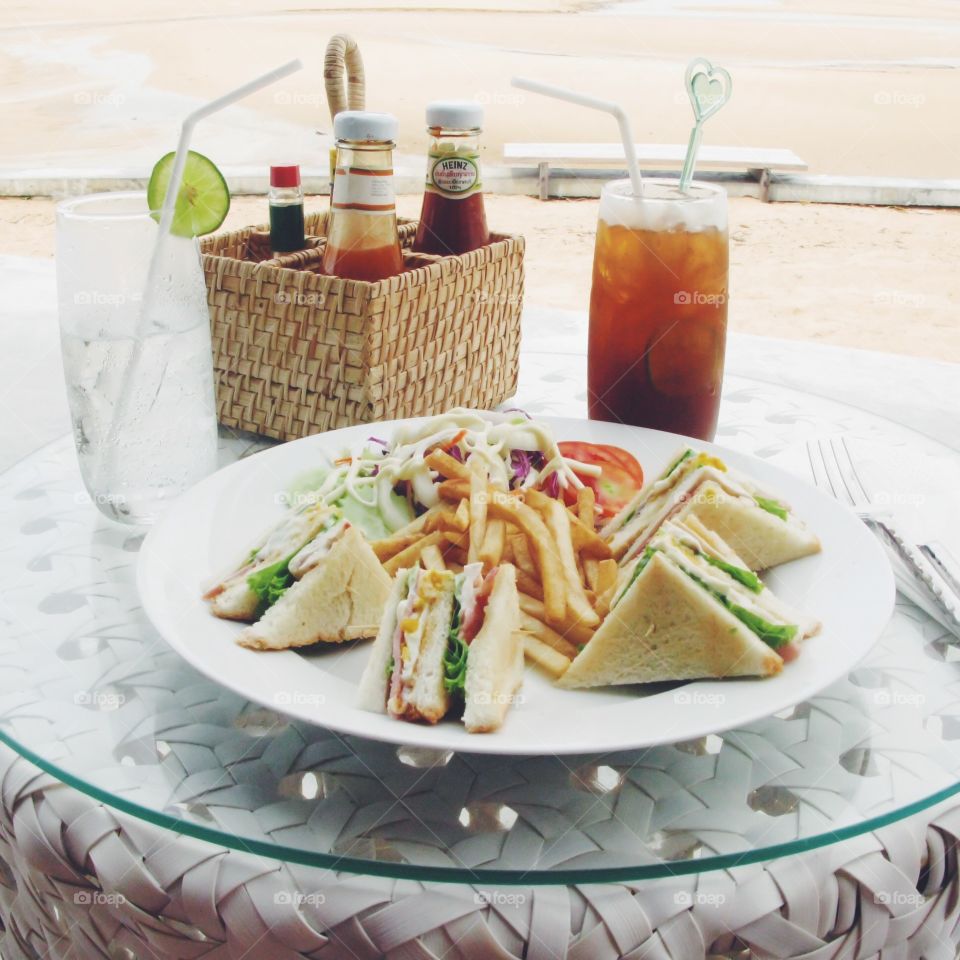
607 106
163 233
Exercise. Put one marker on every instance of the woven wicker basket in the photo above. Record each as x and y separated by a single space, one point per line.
296 352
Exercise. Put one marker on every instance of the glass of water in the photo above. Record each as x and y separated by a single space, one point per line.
134 456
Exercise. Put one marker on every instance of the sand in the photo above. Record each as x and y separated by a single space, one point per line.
879 278
864 87
854 87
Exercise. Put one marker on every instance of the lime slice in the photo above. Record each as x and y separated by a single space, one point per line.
203 201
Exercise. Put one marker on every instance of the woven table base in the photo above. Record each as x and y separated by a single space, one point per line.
79 880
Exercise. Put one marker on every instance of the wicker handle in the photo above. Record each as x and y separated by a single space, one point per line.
343 56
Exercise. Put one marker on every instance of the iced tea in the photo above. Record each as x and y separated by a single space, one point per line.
658 308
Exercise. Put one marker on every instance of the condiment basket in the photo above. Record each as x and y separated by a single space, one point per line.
296 352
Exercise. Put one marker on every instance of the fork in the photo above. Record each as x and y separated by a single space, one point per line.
834 472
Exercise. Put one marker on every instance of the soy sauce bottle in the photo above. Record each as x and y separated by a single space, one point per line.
286 209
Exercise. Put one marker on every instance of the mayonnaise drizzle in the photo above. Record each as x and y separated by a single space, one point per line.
492 436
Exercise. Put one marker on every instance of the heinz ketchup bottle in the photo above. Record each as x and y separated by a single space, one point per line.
453 219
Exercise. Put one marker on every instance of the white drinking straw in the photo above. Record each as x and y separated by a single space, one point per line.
594 103
183 148
166 220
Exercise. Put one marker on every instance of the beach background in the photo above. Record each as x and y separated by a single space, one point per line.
854 87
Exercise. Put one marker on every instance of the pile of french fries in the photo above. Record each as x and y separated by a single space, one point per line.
566 573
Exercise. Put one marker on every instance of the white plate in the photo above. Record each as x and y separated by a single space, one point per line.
849 587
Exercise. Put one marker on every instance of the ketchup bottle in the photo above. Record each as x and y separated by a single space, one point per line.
453 219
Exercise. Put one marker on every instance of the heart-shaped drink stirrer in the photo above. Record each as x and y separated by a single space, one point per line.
708 88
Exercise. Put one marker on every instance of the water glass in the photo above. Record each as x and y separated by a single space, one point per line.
138 452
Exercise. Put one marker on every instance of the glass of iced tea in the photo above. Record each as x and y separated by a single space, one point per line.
658 307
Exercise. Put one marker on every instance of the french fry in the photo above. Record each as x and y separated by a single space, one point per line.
448 521
521 554
558 523
478 507
388 546
572 630
607 571
585 539
536 651
405 536
530 586
456 538
508 556
590 571
432 558
503 507
586 514
491 552
447 466
462 516
586 502
454 490
441 518
409 556
547 635
606 585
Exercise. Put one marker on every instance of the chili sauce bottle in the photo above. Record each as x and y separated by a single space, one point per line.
362 240
453 219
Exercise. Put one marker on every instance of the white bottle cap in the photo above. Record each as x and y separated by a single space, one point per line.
455 114
362 126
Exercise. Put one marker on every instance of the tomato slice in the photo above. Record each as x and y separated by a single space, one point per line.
621 476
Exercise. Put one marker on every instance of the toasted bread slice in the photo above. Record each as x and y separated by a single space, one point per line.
761 539
668 628
495 659
342 598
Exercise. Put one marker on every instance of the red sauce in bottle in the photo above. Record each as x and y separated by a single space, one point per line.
362 241
453 219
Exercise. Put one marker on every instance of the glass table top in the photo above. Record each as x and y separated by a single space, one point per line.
92 695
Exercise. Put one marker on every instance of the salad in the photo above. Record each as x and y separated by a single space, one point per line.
384 485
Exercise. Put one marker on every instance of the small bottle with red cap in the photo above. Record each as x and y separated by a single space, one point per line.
286 209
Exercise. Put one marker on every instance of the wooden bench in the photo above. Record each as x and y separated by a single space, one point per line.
757 161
